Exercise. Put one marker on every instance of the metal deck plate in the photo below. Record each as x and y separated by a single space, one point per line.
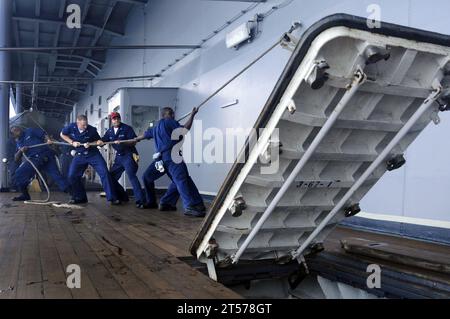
377 109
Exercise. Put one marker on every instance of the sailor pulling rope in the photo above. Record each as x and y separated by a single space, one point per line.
285 40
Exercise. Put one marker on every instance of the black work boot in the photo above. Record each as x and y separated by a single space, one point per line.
198 210
78 201
68 190
22 198
167 208
124 199
25 195
151 206
116 202
140 205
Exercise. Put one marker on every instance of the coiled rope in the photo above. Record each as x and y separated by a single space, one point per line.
47 189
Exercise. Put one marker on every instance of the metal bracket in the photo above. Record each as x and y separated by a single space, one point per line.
211 269
352 210
395 163
434 116
444 101
238 206
315 248
289 42
292 108
211 249
443 107
272 145
302 261
318 76
374 54
297 277
226 262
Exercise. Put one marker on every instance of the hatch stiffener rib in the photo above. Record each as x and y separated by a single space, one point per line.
397 138
358 79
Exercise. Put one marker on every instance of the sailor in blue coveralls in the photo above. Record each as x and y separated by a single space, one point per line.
84 138
125 160
182 183
43 157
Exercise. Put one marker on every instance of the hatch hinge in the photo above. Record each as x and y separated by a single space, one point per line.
444 104
211 269
211 249
314 249
374 54
288 40
298 276
210 254
273 147
302 261
318 75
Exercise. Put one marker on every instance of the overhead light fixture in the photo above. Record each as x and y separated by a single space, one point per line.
241 34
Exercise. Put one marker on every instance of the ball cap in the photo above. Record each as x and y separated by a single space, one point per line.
114 115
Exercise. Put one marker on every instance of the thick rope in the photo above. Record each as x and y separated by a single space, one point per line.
248 66
38 201
87 145
47 189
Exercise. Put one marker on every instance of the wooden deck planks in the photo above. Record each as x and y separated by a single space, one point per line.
123 252
68 256
30 279
193 284
10 253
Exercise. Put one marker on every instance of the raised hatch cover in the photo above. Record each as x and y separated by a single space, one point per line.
347 106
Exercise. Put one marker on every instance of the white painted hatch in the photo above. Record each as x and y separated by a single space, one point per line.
344 99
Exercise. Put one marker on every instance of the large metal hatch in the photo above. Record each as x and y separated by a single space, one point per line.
347 106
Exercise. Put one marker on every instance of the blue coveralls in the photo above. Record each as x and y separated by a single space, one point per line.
124 161
42 157
83 158
182 184
65 159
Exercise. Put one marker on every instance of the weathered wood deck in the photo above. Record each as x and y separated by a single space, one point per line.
123 252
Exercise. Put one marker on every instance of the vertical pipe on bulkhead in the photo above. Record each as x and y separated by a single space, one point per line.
19 103
5 75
